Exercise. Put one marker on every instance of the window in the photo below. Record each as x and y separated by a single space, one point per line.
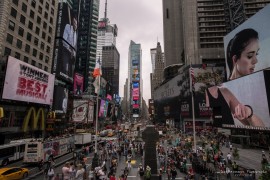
38 20
7 51
52 11
50 29
9 38
37 30
40 9
48 49
51 20
29 36
19 44
46 15
32 14
45 68
167 13
34 52
41 56
44 25
24 7
42 45
22 19
13 12
33 3
49 39
39 65
36 41
46 59
43 35
21 31
11 25
27 48
41 1
47 6
15 2
53 2
25 59
33 63
17 55
30 25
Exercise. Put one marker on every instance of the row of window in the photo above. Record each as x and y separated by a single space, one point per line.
29 37
19 43
25 59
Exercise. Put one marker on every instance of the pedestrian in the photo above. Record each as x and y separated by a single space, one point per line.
147 173
229 156
230 147
80 172
66 171
174 173
50 173
169 173
228 173
129 161
91 174
141 171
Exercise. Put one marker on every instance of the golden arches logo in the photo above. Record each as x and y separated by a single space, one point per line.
35 117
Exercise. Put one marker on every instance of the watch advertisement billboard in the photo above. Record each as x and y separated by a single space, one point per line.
24 82
247 46
60 99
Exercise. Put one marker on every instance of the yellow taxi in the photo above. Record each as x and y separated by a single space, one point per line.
13 173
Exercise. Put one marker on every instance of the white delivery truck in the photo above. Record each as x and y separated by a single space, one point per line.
83 139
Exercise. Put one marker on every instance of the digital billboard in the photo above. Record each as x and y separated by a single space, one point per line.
135 85
247 46
78 84
65 43
24 82
60 99
242 102
80 108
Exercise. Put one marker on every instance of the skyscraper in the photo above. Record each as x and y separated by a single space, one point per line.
157 58
111 66
134 78
87 40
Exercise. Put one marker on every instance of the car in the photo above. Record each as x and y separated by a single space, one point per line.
103 133
13 173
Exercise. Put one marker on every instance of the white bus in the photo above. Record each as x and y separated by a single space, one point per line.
12 151
38 150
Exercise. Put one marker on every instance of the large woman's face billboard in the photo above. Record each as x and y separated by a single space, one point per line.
247 47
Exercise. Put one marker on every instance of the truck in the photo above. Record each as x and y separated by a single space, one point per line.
83 139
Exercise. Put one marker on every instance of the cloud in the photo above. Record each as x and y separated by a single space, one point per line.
140 21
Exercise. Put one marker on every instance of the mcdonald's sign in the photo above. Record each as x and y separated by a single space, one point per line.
35 117
1 112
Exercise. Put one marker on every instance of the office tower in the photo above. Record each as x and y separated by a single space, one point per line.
27 31
107 34
173 32
157 58
134 79
111 66
87 40
203 26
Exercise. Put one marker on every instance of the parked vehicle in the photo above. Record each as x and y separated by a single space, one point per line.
103 133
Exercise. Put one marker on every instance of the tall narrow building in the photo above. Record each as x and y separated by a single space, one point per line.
87 40
134 79
157 58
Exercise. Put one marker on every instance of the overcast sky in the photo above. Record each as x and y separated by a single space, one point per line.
140 21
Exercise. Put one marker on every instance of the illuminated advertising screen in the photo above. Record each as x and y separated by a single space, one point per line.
242 102
80 108
60 99
65 43
103 108
136 106
24 82
135 85
91 112
247 46
101 24
78 84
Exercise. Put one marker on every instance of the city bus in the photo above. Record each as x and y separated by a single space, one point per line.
12 151
38 150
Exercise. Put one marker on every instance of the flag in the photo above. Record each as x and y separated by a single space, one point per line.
97 71
192 79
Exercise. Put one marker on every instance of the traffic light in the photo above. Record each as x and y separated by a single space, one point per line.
1 112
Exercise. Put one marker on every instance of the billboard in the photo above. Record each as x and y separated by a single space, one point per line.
135 85
103 108
247 46
101 24
60 99
65 43
78 84
80 108
24 82
243 102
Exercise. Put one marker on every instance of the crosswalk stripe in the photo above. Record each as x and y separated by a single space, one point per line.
131 176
